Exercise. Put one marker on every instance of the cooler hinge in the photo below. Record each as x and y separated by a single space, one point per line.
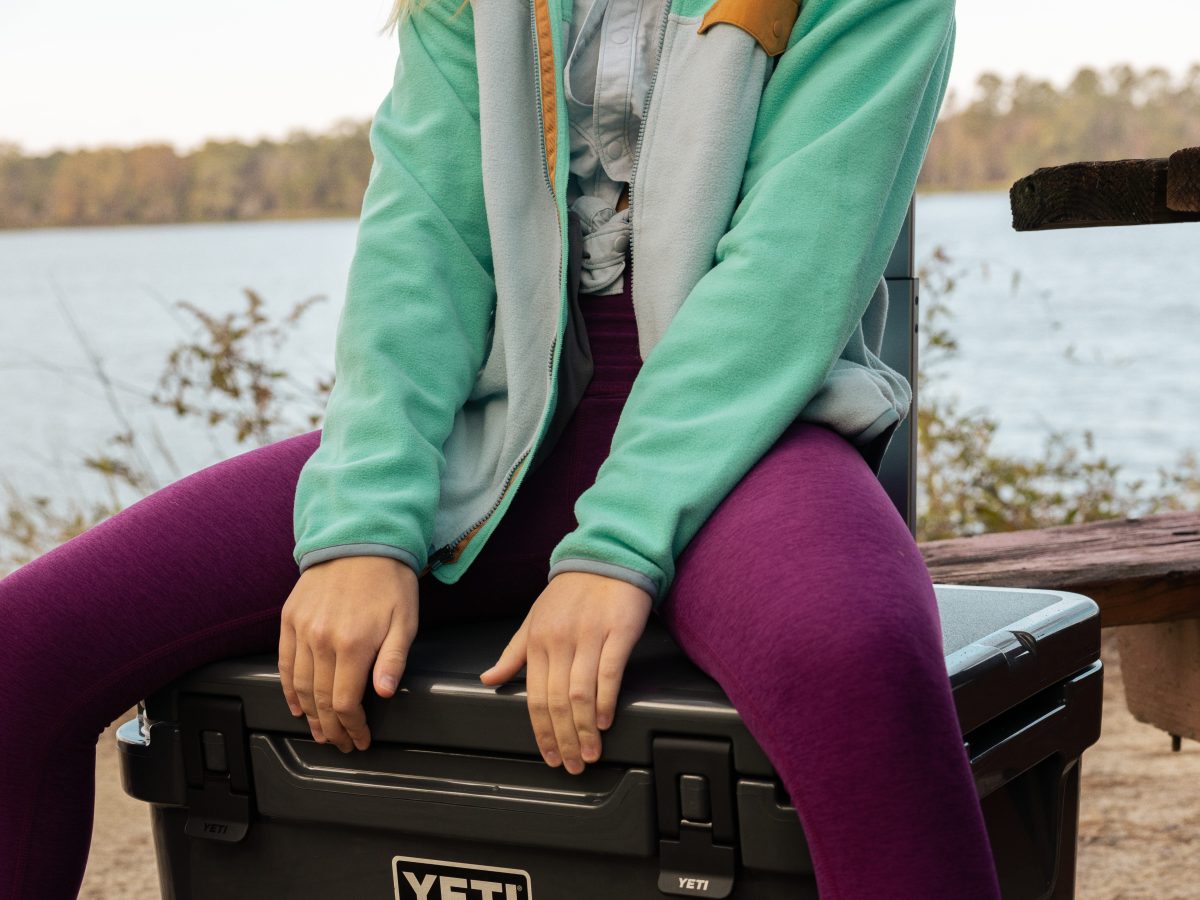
696 816
216 767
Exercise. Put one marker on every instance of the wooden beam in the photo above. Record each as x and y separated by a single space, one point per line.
1138 570
1099 194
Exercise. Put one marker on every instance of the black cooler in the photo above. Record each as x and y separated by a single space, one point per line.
452 801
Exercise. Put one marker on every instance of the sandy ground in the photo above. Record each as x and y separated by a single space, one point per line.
1139 823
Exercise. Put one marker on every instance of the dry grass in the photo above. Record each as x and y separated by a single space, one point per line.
1140 821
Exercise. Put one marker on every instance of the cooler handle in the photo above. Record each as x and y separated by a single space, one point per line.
619 818
1057 722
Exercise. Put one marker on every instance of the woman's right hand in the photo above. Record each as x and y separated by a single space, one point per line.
342 616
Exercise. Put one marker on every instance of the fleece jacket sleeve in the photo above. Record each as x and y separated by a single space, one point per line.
842 130
412 334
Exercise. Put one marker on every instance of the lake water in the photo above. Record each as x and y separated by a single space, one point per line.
1101 332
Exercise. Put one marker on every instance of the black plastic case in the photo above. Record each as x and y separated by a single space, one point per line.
452 799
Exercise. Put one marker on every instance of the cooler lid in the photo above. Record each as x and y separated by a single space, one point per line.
1002 645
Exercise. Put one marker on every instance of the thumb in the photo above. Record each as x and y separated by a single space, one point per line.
389 664
510 662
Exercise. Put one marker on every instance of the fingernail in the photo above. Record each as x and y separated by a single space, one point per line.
552 757
591 752
388 682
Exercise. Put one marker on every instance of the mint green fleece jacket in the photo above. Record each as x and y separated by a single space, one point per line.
840 131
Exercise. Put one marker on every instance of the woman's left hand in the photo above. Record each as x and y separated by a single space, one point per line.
575 642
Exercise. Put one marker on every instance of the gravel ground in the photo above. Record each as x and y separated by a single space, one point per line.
1139 822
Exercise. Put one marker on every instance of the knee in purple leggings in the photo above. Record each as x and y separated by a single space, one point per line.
806 597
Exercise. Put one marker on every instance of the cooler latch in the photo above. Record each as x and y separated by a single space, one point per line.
696 822
215 766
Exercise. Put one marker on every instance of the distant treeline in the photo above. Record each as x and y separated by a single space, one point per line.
1006 129
306 175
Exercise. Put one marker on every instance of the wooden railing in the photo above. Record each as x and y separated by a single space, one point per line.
1140 571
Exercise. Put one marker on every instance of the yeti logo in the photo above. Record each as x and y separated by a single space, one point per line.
440 879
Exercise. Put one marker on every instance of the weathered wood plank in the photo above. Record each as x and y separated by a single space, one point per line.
1098 194
1137 570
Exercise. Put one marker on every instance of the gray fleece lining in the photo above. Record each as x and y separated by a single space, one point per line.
337 551
612 570
502 417
685 188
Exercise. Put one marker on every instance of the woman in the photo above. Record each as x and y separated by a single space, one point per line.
694 435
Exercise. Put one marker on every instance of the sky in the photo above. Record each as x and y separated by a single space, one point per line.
81 73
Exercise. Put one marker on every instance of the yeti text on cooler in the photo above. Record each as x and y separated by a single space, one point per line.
450 887
417 878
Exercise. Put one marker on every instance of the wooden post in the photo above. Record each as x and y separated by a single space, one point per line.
1160 665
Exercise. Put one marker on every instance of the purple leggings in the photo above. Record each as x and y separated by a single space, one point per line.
845 687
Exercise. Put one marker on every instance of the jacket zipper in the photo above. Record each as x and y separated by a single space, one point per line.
451 551
637 150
